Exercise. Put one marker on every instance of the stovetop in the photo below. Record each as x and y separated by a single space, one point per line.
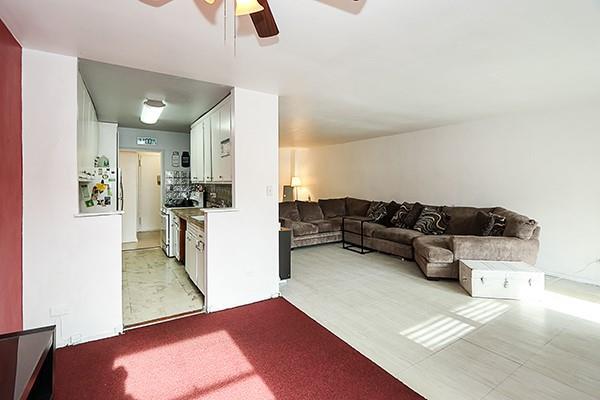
181 203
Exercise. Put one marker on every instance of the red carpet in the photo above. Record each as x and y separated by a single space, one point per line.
268 350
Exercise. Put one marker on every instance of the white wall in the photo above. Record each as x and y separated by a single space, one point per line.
544 165
71 265
242 245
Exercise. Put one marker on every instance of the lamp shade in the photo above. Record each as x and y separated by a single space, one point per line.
296 181
151 111
245 7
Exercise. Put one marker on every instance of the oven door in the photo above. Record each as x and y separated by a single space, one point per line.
165 232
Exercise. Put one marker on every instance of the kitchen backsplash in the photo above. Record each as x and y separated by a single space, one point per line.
177 185
217 195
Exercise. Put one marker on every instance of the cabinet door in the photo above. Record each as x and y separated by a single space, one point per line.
201 266
197 153
210 137
225 159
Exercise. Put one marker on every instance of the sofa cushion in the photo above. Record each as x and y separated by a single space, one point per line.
463 220
398 235
289 210
303 228
432 221
498 226
377 211
324 225
333 207
353 225
484 223
310 211
434 249
517 225
398 218
390 211
357 207
413 215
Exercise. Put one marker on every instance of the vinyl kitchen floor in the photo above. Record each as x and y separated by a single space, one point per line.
444 344
155 286
146 240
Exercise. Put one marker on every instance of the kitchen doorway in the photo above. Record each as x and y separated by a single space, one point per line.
140 198
155 287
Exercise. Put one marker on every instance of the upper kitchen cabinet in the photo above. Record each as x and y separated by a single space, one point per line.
221 144
87 130
197 151
211 159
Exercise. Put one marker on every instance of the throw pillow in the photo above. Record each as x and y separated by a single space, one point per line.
398 218
498 226
390 211
377 211
483 224
432 221
413 215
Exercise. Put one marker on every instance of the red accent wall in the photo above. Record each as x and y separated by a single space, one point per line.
11 187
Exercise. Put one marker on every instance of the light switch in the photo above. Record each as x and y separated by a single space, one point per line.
269 191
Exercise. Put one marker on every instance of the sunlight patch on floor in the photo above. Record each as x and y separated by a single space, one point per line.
572 306
225 372
437 332
482 312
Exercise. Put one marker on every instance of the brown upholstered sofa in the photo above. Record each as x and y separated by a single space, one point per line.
437 255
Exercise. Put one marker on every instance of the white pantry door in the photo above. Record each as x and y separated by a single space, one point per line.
149 192
128 162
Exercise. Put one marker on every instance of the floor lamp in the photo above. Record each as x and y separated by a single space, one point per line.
296 183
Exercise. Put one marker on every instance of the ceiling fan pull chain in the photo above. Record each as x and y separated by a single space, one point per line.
225 22
235 37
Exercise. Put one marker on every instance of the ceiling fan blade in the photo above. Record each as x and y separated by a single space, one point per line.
264 22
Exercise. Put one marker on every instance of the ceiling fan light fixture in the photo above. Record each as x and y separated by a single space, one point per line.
246 7
151 111
210 1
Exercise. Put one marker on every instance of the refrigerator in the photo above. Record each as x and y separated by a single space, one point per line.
98 190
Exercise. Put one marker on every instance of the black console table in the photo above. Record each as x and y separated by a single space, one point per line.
360 249
27 364
285 257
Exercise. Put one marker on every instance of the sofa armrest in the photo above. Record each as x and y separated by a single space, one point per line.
495 248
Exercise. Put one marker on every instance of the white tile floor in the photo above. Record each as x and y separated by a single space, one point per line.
155 286
444 344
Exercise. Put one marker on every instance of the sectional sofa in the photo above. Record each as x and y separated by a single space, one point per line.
437 255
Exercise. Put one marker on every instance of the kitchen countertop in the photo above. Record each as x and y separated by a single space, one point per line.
188 213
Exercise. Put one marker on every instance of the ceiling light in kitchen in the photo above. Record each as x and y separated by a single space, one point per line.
151 111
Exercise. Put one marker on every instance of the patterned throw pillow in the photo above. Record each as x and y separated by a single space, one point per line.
499 225
398 218
413 215
377 211
390 211
432 221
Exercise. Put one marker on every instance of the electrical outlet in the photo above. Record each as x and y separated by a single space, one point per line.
75 338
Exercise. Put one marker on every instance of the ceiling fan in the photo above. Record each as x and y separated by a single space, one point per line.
260 12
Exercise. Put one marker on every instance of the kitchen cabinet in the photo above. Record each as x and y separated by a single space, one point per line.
211 135
87 129
221 144
194 257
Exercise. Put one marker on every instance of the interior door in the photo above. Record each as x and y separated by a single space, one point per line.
149 195
128 160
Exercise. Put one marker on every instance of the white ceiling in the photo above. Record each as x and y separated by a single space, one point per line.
351 70
118 94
